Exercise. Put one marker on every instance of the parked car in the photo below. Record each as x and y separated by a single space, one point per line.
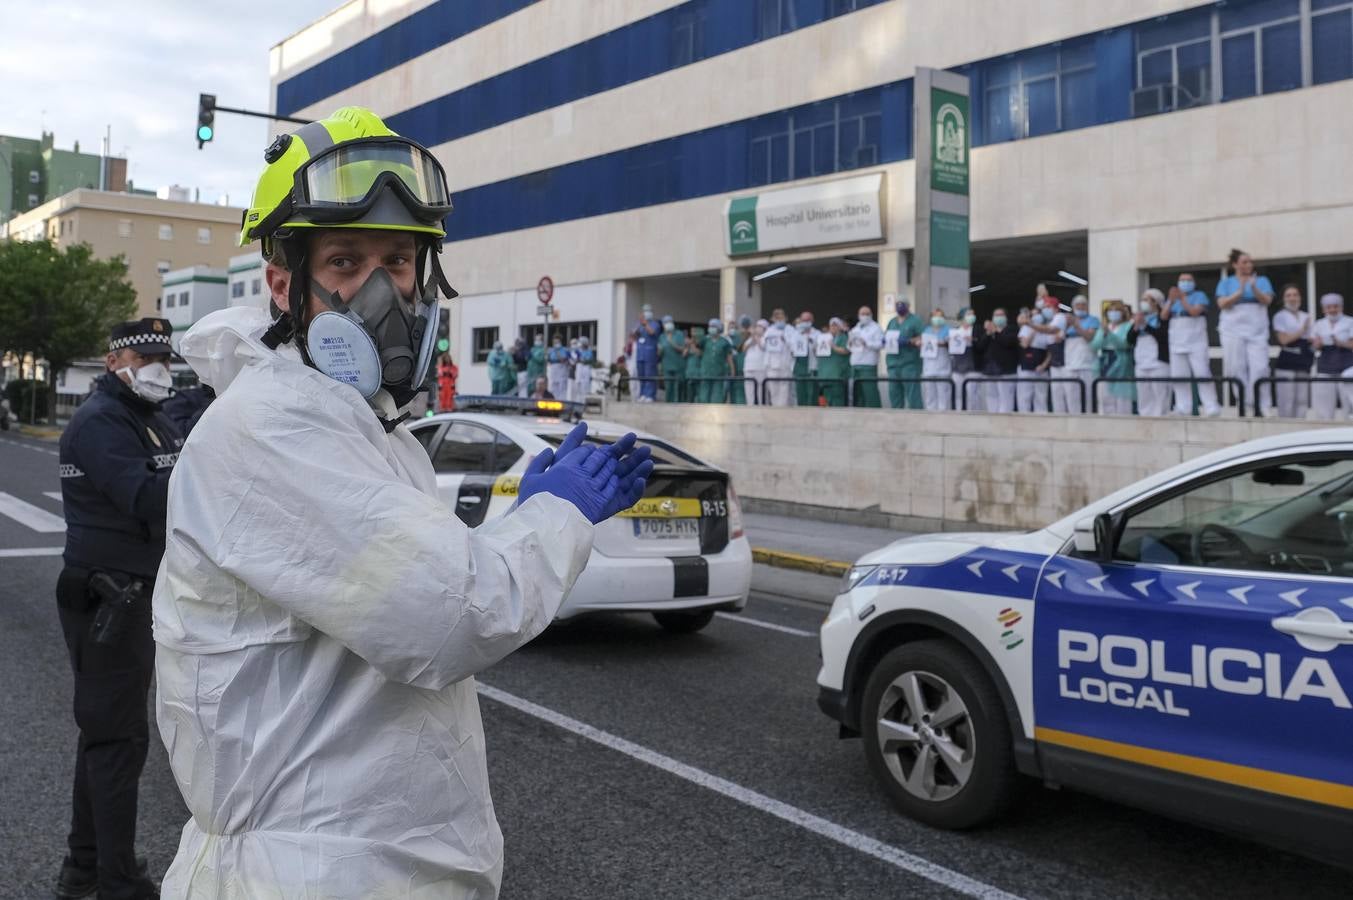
679 554
1183 645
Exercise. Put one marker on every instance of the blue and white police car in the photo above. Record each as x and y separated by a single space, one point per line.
1183 645
680 553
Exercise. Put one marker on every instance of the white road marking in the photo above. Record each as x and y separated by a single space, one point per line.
797 632
1010 572
1240 592
34 517
1056 578
1190 590
55 495
21 552
976 567
27 446
955 881
1141 586
1293 597
1097 582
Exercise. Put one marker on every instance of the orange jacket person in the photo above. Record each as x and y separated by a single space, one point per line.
446 383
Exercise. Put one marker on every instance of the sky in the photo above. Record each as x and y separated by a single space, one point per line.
75 67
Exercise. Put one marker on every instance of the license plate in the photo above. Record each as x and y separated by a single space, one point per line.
666 529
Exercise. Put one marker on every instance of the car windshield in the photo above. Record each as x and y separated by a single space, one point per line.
664 454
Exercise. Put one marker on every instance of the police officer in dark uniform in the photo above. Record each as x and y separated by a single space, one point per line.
116 456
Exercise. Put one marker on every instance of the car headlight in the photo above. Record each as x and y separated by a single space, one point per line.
854 575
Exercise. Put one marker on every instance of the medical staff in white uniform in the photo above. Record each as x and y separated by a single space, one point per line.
866 340
1080 360
1149 341
779 361
754 360
1053 327
1243 298
319 612
1031 393
1293 328
935 363
1332 338
584 358
1186 310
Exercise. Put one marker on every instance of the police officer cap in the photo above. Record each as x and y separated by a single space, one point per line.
149 336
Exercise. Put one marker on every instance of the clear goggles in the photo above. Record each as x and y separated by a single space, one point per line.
343 183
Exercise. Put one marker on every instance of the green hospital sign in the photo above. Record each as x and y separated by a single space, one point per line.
949 142
742 225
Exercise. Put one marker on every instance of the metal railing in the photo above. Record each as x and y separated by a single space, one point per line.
1014 381
751 394
903 382
1236 385
1272 383
817 384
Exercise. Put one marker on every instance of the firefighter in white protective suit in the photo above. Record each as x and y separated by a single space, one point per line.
319 613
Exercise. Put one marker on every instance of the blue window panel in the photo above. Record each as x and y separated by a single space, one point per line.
1040 106
713 161
1078 54
803 154
1000 72
1174 29
1255 12
892 128
1332 46
1158 67
1238 75
1115 77
999 122
1195 74
675 37
1039 61
1317 5
1282 57
429 28
1078 100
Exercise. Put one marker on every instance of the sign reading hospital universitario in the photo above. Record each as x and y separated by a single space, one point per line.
949 134
846 211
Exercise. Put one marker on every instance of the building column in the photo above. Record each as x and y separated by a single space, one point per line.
894 284
738 295
1113 272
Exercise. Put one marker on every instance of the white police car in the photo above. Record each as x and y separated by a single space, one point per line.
680 553
1183 645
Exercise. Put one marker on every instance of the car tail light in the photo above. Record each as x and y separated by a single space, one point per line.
734 515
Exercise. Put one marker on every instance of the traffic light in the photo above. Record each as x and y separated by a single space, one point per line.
206 118
443 334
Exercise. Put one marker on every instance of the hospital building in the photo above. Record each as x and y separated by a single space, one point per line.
621 147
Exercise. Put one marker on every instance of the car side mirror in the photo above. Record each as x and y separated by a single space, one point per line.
1094 537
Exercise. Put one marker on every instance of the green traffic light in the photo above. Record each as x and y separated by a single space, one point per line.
443 345
204 132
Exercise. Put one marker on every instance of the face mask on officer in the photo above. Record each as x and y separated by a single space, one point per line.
151 381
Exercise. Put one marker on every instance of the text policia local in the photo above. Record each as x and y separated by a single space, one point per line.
1231 670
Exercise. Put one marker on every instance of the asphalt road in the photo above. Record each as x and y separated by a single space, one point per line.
627 762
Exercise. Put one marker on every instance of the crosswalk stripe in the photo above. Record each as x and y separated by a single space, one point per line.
21 552
55 495
27 514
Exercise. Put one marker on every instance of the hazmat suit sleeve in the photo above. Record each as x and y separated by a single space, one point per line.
313 508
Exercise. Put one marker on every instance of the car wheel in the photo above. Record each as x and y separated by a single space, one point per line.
684 621
936 735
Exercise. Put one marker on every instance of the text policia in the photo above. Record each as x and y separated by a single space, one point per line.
1232 670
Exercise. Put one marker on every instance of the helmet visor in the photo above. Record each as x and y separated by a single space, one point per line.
345 179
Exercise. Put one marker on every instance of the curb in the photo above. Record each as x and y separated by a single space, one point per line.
42 433
783 559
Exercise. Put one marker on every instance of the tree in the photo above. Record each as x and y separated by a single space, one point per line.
59 304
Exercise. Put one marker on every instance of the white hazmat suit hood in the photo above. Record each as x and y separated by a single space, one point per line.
319 614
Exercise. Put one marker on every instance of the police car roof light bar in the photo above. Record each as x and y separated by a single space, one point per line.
564 409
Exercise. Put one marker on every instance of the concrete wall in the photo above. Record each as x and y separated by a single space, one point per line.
933 471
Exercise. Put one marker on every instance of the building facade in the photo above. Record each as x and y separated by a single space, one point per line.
190 293
604 145
34 171
155 236
246 284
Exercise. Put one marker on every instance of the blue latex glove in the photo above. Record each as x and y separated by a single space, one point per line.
599 481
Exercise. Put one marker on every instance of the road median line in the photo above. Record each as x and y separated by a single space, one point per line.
783 559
